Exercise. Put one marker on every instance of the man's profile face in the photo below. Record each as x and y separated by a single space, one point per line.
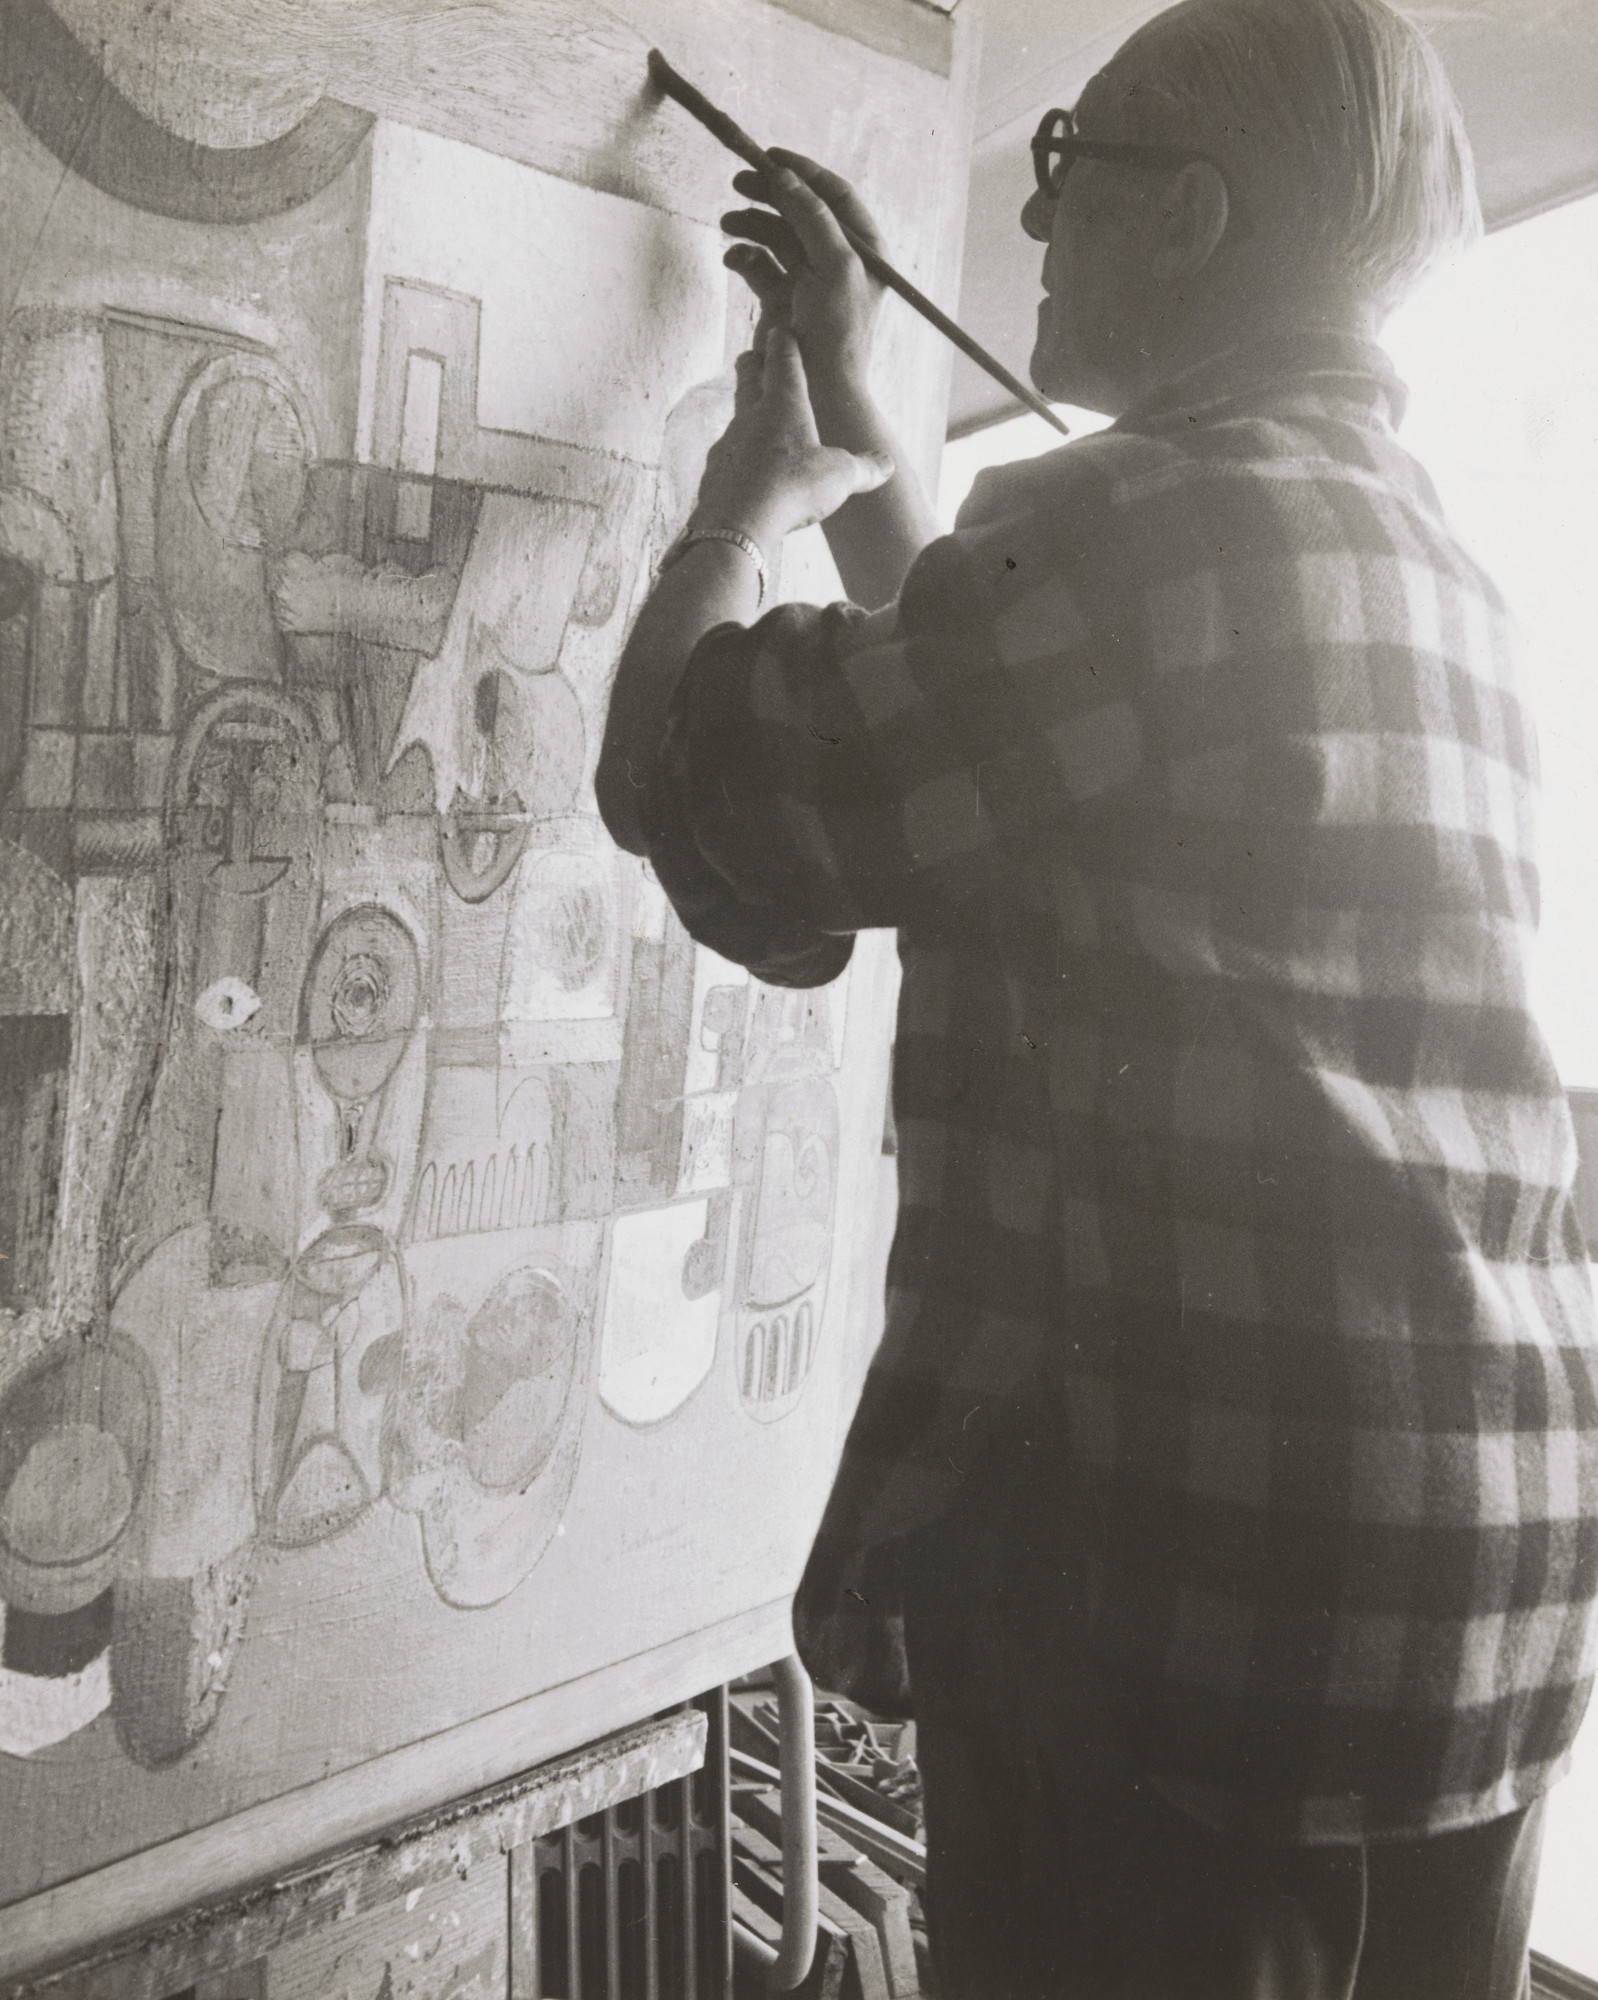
1099 296
1087 266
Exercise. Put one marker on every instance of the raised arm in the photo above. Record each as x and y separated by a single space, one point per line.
768 475
797 260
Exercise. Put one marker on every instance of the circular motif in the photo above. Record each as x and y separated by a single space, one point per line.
246 449
71 1497
235 471
360 994
360 1001
77 1437
341 1260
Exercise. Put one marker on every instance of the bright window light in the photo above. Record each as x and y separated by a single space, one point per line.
1499 354
1002 444
1500 357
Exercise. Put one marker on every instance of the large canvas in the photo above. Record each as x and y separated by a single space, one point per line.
427 1276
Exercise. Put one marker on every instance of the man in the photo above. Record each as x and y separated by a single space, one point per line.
1228 1465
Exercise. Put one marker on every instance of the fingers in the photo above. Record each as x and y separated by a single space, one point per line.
764 276
866 470
806 228
819 231
770 231
836 192
783 368
770 316
839 475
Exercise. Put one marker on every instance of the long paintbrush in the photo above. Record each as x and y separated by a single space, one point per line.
738 141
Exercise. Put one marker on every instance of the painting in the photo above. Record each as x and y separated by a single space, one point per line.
425 1274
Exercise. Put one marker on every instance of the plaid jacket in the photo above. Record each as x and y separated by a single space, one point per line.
1194 773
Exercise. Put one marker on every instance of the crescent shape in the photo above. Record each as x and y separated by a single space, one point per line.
71 106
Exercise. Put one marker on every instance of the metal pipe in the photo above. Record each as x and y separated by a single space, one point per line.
754 1951
801 1882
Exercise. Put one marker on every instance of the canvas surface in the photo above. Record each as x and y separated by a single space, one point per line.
428 1277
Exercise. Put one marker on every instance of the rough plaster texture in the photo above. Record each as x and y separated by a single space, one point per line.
428 1277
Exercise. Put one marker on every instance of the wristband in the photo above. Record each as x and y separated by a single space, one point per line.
735 536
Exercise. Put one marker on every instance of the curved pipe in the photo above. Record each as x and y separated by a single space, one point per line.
796 1721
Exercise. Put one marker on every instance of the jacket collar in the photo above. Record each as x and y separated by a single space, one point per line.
1331 365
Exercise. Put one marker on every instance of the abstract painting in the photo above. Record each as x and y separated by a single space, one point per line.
398 1211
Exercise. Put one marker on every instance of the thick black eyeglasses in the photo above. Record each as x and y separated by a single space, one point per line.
1055 146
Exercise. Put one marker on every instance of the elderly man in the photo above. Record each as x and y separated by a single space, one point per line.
1226 1479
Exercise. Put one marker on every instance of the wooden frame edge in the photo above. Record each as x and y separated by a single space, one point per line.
286 1834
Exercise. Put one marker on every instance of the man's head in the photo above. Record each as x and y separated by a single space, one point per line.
1319 168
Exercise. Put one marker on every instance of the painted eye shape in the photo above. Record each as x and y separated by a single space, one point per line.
360 995
360 1001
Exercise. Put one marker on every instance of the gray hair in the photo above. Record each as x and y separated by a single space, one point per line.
1366 142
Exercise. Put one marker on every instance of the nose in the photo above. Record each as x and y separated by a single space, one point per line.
1037 216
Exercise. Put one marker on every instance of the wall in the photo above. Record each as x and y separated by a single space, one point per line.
433 1289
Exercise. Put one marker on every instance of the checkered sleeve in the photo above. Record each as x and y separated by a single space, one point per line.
853 776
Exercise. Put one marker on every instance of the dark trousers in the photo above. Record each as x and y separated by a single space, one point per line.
1057 1872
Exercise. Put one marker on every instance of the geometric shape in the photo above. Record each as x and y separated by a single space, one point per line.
323 1492
234 477
793 1213
506 626
201 1343
325 1392
227 1003
562 939
360 1001
243 789
505 1448
788 1248
173 1640
340 1261
70 1497
418 451
354 1184
424 399
659 1341
35 1050
71 107
480 845
492 1402
774 1361
38 1710
78 1434
52 1648
518 1354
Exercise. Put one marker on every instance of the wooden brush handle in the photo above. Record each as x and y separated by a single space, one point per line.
737 140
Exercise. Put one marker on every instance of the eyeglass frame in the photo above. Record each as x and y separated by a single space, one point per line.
1045 141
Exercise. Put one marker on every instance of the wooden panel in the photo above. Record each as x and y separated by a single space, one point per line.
214 1941
274 1839
918 34
444 1942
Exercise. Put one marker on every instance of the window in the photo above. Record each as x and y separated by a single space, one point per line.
1500 356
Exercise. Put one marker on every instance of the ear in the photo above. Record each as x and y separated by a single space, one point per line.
1196 209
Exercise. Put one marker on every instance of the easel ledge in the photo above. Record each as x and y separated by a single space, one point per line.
280 1837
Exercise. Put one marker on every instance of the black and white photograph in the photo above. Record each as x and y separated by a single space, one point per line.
798 999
